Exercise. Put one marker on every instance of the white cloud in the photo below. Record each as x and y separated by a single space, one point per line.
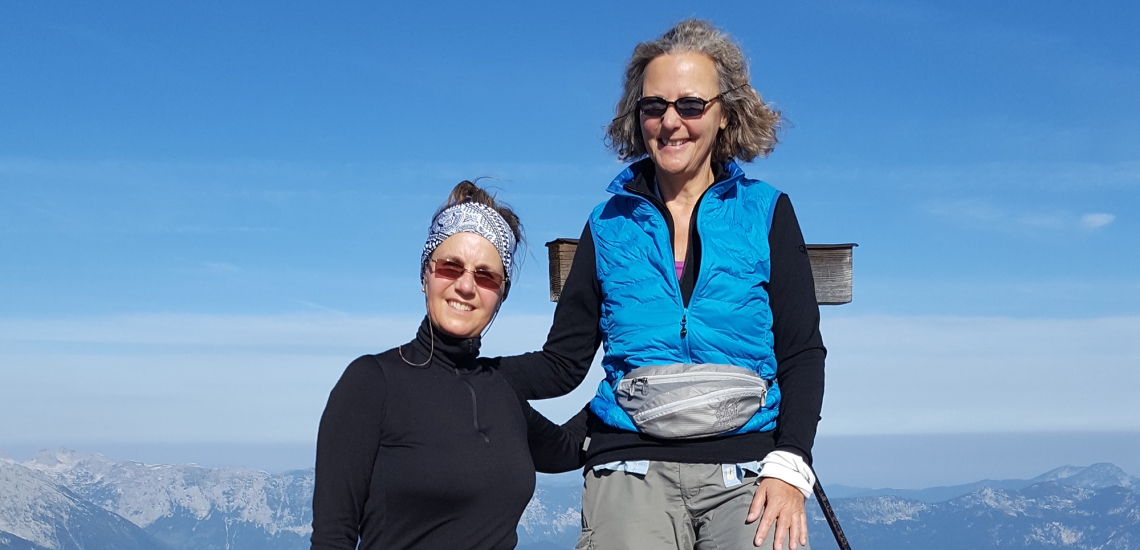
1096 220
897 375
195 378
971 211
221 267
1044 220
984 213
986 177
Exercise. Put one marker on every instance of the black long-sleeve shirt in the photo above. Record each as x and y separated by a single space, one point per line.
575 336
439 456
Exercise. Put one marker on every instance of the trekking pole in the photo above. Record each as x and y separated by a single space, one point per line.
829 515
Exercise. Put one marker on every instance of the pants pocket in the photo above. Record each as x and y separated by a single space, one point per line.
585 540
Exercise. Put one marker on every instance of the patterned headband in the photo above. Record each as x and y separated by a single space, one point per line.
471 217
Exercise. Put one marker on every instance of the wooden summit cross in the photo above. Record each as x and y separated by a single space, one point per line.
831 269
830 266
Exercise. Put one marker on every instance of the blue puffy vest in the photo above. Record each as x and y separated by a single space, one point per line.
644 321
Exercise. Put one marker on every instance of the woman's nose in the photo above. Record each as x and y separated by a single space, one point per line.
671 119
466 283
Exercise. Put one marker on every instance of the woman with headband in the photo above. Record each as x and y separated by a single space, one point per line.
697 281
423 446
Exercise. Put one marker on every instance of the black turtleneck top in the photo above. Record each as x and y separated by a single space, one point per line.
438 456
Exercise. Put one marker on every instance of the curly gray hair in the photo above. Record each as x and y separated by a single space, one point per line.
752 124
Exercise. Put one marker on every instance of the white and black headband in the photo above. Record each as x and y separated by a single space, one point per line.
471 217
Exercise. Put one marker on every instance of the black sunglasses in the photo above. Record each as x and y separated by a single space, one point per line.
452 270
687 107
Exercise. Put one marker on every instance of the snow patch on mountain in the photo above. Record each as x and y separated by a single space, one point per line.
1054 533
12 542
885 510
543 517
1005 502
26 500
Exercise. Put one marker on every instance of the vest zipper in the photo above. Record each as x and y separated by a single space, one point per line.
694 235
684 336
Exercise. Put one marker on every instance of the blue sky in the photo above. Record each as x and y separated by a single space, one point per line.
206 210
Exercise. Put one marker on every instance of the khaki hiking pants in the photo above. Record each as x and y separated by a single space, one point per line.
673 506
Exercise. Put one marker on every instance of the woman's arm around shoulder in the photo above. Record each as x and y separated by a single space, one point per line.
554 449
347 442
573 339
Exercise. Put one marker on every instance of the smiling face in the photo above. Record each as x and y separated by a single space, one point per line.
682 147
459 307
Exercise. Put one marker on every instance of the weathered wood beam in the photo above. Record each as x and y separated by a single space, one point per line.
830 266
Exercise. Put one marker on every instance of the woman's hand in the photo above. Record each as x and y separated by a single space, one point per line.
783 505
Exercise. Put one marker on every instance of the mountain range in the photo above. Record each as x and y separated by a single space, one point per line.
65 500
86 501
1096 507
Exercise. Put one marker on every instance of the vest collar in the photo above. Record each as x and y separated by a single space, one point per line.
638 178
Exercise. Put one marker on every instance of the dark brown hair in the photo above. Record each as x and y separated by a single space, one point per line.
468 191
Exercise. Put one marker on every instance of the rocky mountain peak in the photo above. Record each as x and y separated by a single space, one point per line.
1096 476
63 459
37 510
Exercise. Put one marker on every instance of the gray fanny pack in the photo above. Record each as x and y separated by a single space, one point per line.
685 401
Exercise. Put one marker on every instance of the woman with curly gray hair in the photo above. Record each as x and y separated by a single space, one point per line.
697 281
